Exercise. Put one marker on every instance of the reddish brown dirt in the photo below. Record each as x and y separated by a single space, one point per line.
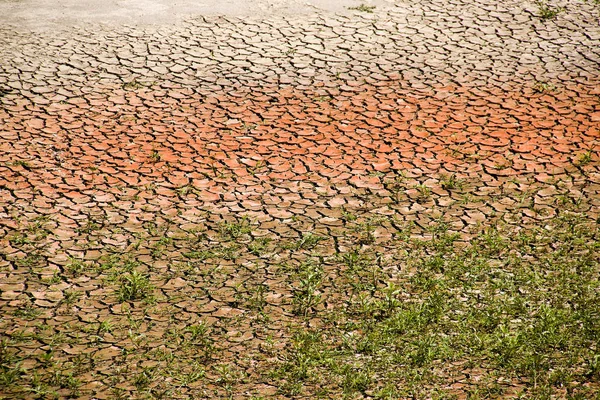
340 134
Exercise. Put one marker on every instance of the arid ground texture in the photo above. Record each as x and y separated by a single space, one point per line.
397 200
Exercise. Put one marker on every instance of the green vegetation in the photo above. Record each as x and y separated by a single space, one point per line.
134 286
376 306
363 8
546 11
515 305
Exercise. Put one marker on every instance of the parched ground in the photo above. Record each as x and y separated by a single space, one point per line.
396 202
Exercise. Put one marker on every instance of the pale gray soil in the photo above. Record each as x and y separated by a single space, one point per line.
59 14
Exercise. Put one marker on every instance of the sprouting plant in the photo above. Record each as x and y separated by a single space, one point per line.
227 375
134 286
309 240
236 229
543 87
159 247
363 8
450 182
27 311
105 326
198 332
155 156
70 296
348 216
546 11
22 163
396 184
257 300
184 190
19 239
307 296
133 84
258 246
75 267
253 170
424 191
144 377
584 159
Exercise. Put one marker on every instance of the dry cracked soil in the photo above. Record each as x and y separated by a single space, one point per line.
383 200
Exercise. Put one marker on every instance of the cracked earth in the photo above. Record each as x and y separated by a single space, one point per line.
207 157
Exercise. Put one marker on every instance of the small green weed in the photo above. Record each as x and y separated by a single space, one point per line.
70 297
257 300
424 191
155 156
450 182
134 286
132 85
22 163
584 159
19 239
199 255
28 311
105 326
309 241
75 267
259 246
236 229
363 8
546 11
544 87
306 296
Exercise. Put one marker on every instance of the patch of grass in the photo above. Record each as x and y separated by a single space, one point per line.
546 11
143 378
28 311
257 299
364 231
134 84
306 295
89 227
424 191
236 229
30 261
155 156
159 247
22 163
19 239
199 255
259 246
70 297
363 8
229 252
75 267
134 286
584 159
544 87
105 326
450 182
520 303
308 241
348 216
396 309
